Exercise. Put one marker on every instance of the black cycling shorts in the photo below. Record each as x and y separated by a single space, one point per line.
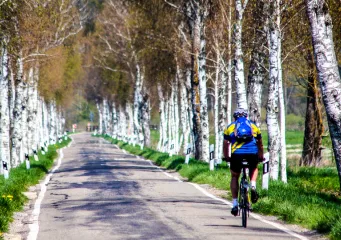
237 159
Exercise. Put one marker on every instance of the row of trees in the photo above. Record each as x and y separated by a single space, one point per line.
38 66
177 53
178 56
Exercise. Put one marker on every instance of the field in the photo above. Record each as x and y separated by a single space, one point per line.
294 142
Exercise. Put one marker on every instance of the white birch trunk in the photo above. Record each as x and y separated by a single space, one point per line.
257 71
4 110
146 120
130 120
190 106
46 139
105 112
281 99
122 123
194 25
24 120
229 67
328 72
52 123
17 135
100 118
166 141
170 119
162 118
217 96
176 116
238 59
137 105
11 99
203 96
31 111
114 121
184 110
272 105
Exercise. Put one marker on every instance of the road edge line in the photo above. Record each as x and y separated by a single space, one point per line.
34 226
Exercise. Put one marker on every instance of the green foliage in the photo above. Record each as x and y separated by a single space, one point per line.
311 197
11 197
294 122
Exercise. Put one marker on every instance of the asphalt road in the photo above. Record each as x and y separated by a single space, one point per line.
99 192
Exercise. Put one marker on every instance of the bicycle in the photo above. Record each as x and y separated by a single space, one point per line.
244 194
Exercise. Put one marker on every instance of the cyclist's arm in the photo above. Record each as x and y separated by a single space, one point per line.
226 150
260 149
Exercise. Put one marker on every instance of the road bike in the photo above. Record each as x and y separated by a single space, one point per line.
244 194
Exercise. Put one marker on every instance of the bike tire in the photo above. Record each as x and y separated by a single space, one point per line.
244 216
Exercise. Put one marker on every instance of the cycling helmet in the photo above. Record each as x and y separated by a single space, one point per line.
240 112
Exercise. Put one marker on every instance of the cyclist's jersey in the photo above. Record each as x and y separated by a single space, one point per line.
249 147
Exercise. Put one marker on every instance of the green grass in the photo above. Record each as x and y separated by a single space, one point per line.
11 197
311 198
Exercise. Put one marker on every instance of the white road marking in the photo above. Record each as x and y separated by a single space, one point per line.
34 227
256 216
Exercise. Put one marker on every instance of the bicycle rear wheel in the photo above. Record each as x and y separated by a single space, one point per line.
244 216
244 210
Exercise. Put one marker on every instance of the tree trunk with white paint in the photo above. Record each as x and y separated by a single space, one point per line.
328 72
4 109
272 105
238 58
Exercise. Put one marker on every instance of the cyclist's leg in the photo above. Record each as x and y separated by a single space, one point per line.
253 163
235 169
253 170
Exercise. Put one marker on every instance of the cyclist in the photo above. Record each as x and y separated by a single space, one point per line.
250 149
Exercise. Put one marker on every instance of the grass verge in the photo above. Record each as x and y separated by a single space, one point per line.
11 197
311 198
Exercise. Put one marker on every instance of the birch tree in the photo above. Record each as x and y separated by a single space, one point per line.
328 72
272 104
238 55
257 69
5 115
